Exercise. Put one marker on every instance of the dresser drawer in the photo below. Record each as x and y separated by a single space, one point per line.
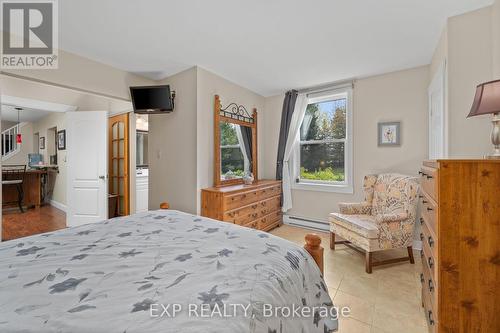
430 315
270 221
429 260
428 181
430 287
428 237
245 198
266 223
253 225
429 212
246 214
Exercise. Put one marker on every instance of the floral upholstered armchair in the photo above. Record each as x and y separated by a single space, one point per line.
384 220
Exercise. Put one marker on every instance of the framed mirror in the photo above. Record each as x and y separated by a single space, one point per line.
235 143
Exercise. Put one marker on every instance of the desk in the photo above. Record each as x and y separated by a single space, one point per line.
37 183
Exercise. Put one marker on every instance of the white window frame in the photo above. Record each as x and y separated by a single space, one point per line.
345 186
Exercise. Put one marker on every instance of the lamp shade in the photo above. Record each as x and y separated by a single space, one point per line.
487 99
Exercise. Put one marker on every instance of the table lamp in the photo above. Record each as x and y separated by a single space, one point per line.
487 101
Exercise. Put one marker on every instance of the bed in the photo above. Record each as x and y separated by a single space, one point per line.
161 271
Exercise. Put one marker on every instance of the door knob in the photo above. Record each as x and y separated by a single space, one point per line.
102 177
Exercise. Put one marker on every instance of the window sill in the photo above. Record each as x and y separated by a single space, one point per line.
333 188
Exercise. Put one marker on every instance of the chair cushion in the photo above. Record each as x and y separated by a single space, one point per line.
363 225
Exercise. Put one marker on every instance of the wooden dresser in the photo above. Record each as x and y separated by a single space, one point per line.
255 206
460 204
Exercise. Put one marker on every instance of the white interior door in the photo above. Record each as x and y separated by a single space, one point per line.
87 159
437 115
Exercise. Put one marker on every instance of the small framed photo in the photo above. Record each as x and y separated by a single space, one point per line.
61 140
389 134
41 144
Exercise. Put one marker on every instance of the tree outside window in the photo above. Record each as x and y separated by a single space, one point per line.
323 141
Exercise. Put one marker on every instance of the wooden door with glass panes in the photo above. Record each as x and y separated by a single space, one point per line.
119 161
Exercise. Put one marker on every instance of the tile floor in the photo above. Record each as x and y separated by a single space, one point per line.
386 301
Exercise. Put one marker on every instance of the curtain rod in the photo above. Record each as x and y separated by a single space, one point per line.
22 77
327 87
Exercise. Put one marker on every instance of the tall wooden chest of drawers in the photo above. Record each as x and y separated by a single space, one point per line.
460 219
255 206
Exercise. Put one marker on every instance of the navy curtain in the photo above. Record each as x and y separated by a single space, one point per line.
286 118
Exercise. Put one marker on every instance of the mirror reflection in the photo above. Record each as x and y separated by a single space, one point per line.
235 150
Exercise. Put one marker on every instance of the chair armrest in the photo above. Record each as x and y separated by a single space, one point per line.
355 208
391 217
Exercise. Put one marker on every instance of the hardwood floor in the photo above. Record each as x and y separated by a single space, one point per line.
33 221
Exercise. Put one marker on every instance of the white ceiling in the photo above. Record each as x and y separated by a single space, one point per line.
267 46
9 113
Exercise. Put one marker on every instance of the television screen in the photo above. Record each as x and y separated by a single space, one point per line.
152 99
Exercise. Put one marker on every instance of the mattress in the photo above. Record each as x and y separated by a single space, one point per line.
161 271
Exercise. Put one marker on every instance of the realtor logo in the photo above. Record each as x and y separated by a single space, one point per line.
29 34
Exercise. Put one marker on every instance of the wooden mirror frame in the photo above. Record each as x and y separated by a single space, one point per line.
237 119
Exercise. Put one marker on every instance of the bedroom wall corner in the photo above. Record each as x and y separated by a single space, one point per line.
172 148
398 96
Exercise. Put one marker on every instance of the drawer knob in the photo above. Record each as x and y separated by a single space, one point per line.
430 241
431 317
421 237
429 209
421 253
431 262
420 173
424 202
429 177
421 277
431 286
421 221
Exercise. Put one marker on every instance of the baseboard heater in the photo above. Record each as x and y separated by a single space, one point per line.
306 223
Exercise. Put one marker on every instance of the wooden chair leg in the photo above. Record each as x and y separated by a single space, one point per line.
332 241
368 262
410 254
20 197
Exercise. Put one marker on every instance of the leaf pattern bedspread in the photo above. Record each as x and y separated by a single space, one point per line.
109 276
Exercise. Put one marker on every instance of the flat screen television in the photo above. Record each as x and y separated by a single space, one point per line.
152 99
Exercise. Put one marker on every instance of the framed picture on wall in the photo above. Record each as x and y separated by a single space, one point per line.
41 143
61 140
389 134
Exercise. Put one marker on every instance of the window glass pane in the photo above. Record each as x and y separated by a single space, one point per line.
324 120
121 130
115 131
324 161
121 153
232 162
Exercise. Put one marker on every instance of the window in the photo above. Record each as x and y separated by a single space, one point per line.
323 155
233 161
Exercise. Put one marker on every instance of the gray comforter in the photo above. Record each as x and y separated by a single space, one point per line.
161 271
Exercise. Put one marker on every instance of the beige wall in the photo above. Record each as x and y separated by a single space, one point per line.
399 96
469 64
26 147
496 38
440 54
81 73
184 138
172 148
42 126
208 86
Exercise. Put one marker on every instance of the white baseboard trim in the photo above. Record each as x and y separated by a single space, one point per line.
58 205
304 222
